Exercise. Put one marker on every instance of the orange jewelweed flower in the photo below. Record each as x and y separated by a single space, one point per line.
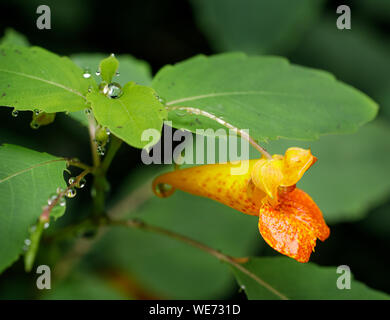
289 220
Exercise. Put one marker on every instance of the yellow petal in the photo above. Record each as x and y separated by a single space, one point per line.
216 182
296 162
267 175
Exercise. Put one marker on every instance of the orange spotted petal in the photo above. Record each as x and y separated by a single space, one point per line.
296 162
293 226
216 182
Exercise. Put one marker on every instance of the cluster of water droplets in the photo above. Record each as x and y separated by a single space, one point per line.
102 137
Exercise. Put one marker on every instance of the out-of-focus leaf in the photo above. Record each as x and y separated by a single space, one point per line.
169 268
265 94
27 180
352 173
360 57
34 78
300 281
136 110
255 26
376 8
12 37
83 286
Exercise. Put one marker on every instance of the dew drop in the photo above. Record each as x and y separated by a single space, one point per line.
87 111
62 202
46 225
36 112
161 100
97 73
59 190
27 242
81 183
34 125
15 113
114 90
51 199
71 193
112 55
71 180
101 150
108 131
86 74
117 74
89 88
33 228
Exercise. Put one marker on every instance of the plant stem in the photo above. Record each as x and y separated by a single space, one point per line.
115 144
240 132
234 262
100 184
92 129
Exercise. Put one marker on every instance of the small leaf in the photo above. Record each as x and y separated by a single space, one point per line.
268 95
130 68
33 78
12 37
137 110
108 68
299 281
27 179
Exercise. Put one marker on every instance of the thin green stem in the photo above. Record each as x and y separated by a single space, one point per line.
234 262
115 144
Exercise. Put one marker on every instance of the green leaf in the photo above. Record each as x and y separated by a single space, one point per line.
255 26
128 116
299 281
33 78
27 179
169 268
12 37
326 48
130 68
108 68
271 97
352 173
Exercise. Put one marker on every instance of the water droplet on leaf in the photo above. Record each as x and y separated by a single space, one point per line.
15 113
27 242
86 74
114 90
71 180
46 225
